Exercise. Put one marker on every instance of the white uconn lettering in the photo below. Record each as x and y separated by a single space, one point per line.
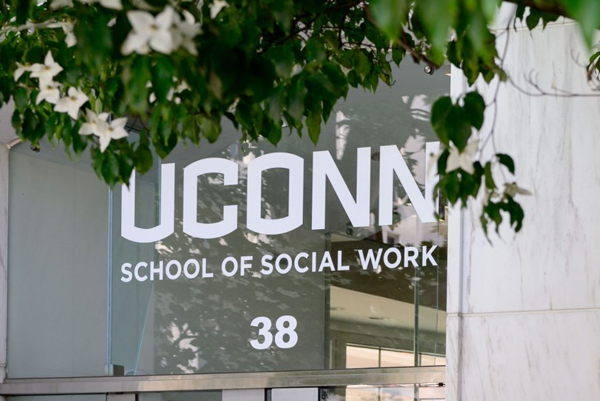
392 165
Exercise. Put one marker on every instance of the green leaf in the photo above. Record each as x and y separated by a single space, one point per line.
315 48
398 55
458 127
507 161
533 19
23 10
21 99
361 63
211 129
587 13
143 158
439 113
162 77
475 108
489 179
313 123
283 59
137 92
389 15
437 16
110 168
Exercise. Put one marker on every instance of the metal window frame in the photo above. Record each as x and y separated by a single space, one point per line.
435 375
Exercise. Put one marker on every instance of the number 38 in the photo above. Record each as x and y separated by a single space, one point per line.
285 338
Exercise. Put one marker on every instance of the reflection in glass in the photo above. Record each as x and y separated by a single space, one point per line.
182 396
375 317
380 393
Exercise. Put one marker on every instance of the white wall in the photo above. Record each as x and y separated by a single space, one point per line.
524 312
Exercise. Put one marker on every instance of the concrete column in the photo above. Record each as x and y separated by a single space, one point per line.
524 311
3 255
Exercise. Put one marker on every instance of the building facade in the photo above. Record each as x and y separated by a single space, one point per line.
250 272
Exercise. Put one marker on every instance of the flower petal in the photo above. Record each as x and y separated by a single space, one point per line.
141 21
453 162
466 163
118 123
49 60
104 142
135 42
114 4
162 42
164 20
119 133
86 129
216 7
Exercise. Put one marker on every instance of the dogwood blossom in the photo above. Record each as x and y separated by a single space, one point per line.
216 7
462 160
47 71
149 32
67 28
21 69
61 3
93 122
97 125
114 4
184 31
182 86
513 189
49 91
72 103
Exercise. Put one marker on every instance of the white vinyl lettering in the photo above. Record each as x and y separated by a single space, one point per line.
285 338
427 256
264 325
325 168
254 220
127 276
357 208
167 209
136 272
370 258
397 257
392 162
191 173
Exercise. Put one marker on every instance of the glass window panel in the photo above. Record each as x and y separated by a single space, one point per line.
380 393
57 260
182 396
361 357
390 359
76 397
208 323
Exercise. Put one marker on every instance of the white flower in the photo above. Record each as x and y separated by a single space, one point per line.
67 28
94 121
216 7
72 103
48 92
46 72
20 70
114 130
149 32
184 31
183 86
96 124
433 159
114 4
513 189
61 3
464 159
